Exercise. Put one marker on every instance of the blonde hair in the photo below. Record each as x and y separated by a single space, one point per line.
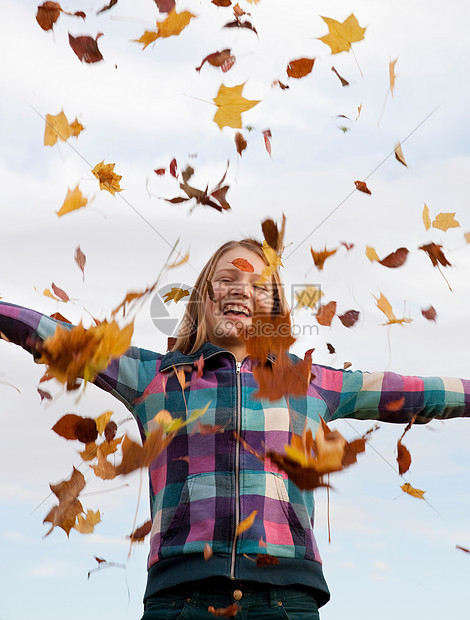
192 333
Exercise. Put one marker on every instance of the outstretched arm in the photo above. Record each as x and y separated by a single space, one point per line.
390 397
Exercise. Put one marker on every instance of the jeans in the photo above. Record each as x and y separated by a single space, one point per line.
257 602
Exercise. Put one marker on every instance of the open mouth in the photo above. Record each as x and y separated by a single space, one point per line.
236 311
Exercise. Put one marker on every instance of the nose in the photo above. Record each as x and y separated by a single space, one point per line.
243 289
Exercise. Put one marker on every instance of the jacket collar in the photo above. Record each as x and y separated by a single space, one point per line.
175 358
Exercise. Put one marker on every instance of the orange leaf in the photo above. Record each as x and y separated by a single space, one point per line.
395 259
403 458
300 68
436 255
362 187
283 378
267 334
207 551
407 488
139 534
246 523
107 178
73 200
395 405
240 142
326 313
320 257
227 612
430 314
243 265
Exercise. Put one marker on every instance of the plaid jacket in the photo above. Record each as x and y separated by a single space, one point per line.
203 485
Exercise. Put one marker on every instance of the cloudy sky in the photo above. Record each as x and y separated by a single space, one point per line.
390 555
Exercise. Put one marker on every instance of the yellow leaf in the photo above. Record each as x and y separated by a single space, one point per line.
109 447
197 413
466 235
320 257
342 34
444 221
308 297
384 305
108 179
47 293
392 76
86 525
231 105
399 154
73 200
176 294
90 451
76 128
371 254
246 523
407 488
58 127
426 218
173 25
102 421
274 261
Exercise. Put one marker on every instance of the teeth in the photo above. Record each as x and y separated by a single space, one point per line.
236 308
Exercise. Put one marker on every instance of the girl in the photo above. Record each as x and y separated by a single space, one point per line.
204 484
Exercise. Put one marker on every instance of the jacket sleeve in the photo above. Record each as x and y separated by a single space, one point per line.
390 397
121 378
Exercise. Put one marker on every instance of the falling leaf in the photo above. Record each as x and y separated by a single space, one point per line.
160 171
430 314
110 432
73 200
173 167
86 48
347 365
395 405
426 218
47 293
403 458
107 178
308 297
65 513
349 318
165 6
231 105
326 313
226 612
264 559
179 262
444 221
280 84
48 13
407 488
240 142
436 255
392 76
384 305
80 259
395 259
175 294
58 127
86 524
173 25
267 334
139 534
341 79
283 378
107 7
43 394
207 551
224 59
238 23
273 236
348 246
60 293
71 426
462 548
399 154
243 265
331 349
300 68
342 34
320 257
362 187
246 523
59 317
199 365
267 140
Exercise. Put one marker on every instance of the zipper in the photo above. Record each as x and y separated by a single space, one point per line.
237 469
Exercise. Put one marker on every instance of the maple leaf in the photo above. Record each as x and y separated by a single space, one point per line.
300 68
430 314
342 34
223 59
80 259
384 305
65 513
231 105
86 524
319 258
58 127
246 523
444 221
139 534
362 187
399 154
426 218
436 255
326 313
171 26
175 294
86 48
107 178
267 334
76 353
341 79
73 200
283 378
240 142
407 488
392 76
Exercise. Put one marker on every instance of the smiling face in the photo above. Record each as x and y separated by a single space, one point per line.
236 299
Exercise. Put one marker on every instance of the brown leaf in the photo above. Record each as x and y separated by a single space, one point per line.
60 293
86 48
280 84
267 334
330 348
223 59
165 6
160 171
80 259
267 140
462 548
326 313
65 427
399 154
85 430
240 142
407 488
347 365
65 513
107 178
349 318
320 257
430 314
341 79
139 534
403 458
222 2
283 378
436 255
207 551
300 68
135 456
107 7
239 24
110 431
47 15
362 187
59 317
227 612
264 559
395 259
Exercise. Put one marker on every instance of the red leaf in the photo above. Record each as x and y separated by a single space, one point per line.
47 15
243 265
86 48
430 314
58 317
107 7
395 259
165 6
349 318
173 167
267 143
160 171
60 293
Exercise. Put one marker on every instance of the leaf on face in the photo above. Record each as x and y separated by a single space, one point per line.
430 314
240 142
436 255
320 257
246 523
444 221
392 76
58 127
426 218
243 265
223 59
341 79
399 154
283 378
300 68
73 200
349 318
107 178
173 25
326 313
86 48
226 612
86 524
407 488
395 259
231 104
175 294
342 34
308 297
384 305
139 534
362 187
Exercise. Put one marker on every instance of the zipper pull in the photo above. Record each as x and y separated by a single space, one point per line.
238 366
